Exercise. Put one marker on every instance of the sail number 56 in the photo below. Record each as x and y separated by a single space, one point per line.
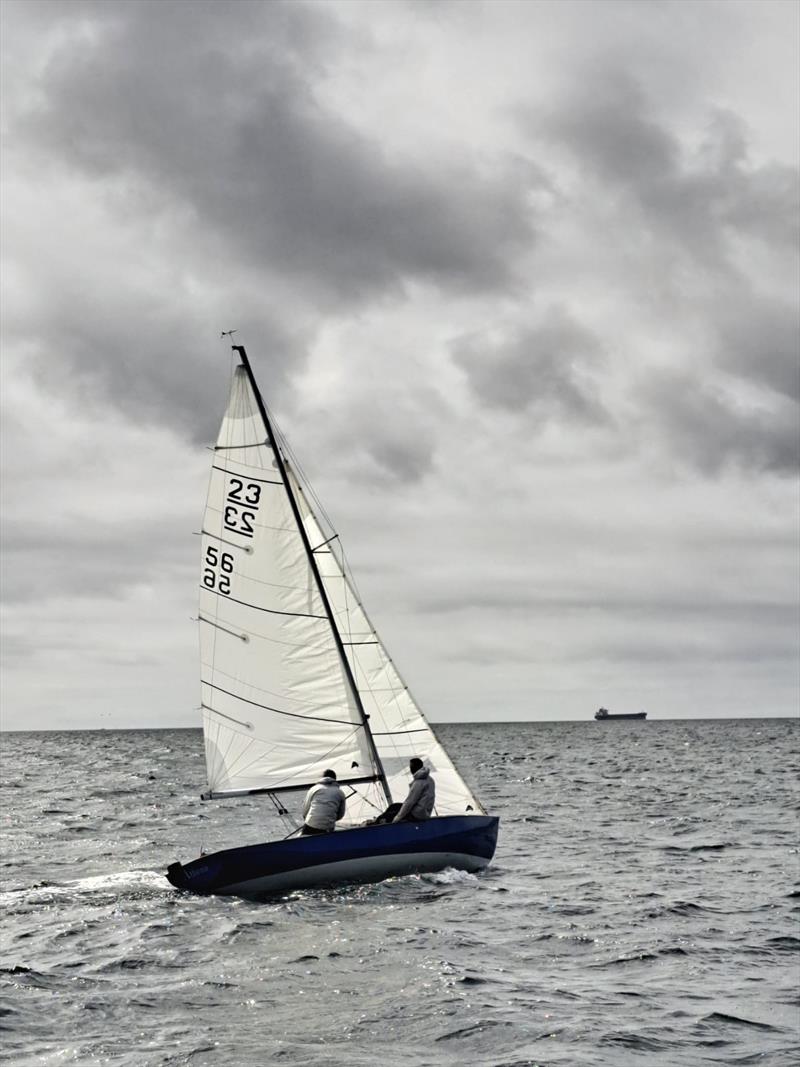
217 570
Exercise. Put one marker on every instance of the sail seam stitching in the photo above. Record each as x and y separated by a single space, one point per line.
267 707
257 607
257 444
249 477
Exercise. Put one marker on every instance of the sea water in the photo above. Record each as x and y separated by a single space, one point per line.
642 908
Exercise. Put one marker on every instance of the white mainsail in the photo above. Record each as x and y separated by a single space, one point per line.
279 703
277 706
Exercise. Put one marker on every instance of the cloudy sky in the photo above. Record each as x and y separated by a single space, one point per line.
520 282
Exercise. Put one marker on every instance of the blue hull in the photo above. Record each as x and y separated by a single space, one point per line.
364 854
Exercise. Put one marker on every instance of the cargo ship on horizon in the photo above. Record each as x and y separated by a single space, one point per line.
602 714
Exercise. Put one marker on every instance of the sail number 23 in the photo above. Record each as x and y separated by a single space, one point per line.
241 505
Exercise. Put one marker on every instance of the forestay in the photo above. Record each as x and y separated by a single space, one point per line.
278 705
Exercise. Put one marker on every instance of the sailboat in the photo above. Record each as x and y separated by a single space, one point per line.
295 680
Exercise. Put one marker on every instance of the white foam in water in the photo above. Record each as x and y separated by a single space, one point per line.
136 879
101 883
451 876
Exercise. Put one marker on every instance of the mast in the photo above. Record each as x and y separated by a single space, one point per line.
240 350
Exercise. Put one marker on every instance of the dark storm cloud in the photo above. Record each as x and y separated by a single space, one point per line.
201 121
170 94
693 200
546 367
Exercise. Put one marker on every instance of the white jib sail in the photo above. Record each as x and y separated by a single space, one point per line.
399 728
277 706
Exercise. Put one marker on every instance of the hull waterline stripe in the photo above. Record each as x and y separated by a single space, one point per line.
344 872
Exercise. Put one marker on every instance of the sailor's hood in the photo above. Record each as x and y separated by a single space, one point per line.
327 781
423 772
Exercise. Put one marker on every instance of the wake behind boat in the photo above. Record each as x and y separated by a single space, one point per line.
295 679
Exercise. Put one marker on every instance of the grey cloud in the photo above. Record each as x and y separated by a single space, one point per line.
687 220
91 560
158 364
760 340
17 649
397 426
691 200
546 368
202 121
169 95
714 645
701 424
407 460
761 201
651 603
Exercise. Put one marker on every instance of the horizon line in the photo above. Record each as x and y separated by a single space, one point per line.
433 723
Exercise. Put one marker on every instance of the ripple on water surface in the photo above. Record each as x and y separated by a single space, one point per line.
642 909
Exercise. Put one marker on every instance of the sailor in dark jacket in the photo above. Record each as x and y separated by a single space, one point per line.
418 805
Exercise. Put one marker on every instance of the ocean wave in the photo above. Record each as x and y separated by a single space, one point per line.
582 929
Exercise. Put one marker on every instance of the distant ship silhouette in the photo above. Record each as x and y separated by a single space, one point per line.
602 714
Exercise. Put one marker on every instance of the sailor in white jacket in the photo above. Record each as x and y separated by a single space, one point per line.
324 805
